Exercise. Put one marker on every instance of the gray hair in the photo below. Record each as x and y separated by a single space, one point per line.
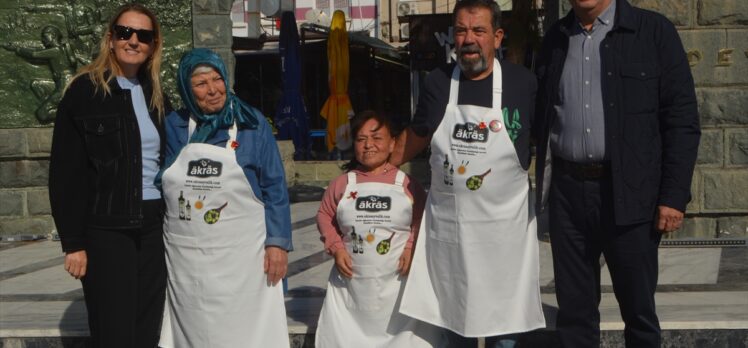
202 69
490 5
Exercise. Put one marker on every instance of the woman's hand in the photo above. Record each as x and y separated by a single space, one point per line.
76 263
276 264
403 266
344 263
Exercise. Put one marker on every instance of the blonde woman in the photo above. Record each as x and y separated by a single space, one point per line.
106 152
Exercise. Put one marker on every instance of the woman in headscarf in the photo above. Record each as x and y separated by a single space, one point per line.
106 152
227 228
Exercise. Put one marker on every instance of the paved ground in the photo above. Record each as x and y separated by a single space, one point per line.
701 288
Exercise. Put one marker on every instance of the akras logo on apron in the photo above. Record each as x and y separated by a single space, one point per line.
373 203
470 132
204 168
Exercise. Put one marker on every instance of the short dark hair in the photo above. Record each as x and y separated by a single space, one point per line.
357 122
491 5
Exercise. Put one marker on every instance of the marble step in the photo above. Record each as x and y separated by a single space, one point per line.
689 319
703 338
702 294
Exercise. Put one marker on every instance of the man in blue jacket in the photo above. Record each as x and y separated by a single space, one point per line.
616 117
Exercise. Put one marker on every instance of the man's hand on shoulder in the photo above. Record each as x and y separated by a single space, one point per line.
408 145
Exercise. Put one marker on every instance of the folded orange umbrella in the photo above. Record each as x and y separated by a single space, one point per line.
338 109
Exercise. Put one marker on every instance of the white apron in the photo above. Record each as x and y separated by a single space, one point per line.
214 233
362 312
475 269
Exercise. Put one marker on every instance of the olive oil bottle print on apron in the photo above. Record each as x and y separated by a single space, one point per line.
214 232
362 311
478 228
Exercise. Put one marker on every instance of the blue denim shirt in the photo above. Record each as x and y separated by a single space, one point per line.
258 156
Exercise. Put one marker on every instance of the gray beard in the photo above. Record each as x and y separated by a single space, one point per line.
472 68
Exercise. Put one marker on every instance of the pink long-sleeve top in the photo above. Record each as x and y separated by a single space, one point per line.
327 223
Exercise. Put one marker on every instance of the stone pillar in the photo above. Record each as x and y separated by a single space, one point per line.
211 28
24 165
286 150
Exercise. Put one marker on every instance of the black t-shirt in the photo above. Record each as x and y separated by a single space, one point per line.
518 96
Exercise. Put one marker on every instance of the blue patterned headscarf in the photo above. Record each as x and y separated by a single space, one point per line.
234 110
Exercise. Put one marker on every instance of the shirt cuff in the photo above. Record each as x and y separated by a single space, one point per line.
71 245
678 203
283 243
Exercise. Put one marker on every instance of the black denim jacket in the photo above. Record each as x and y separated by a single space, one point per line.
651 121
95 174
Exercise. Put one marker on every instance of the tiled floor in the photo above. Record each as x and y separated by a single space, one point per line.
700 288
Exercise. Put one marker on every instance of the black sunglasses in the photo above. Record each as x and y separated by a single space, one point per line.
122 32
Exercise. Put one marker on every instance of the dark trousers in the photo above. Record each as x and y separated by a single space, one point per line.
125 283
583 228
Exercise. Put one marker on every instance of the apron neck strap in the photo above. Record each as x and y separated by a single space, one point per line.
399 178
232 132
351 178
454 85
496 101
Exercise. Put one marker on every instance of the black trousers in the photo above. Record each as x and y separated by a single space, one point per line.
583 228
125 283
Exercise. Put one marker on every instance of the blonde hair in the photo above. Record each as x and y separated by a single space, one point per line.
107 62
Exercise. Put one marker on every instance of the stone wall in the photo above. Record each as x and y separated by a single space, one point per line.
24 163
319 173
715 36
25 139
212 29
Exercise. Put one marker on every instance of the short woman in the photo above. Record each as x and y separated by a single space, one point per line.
228 223
368 219
106 152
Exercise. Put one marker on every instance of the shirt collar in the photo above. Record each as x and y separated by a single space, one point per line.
605 18
128 83
388 170
570 23
608 15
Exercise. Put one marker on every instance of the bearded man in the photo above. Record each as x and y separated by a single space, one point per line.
475 268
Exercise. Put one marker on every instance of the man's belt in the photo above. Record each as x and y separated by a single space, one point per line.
582 171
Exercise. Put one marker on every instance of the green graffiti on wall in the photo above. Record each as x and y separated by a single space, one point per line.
45 42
